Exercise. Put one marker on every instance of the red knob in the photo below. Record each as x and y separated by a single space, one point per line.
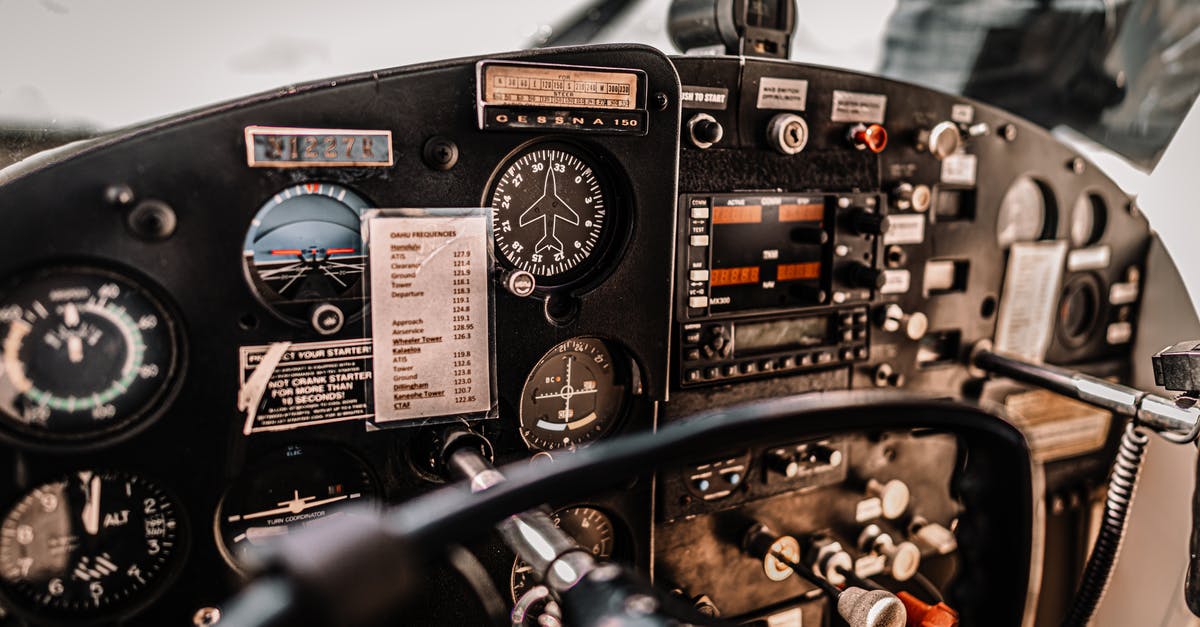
873 137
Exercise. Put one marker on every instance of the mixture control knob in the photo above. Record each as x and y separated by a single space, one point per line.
870 223
943 140
861 275
903 559
893 496
863 137
829 559
916 197
704 130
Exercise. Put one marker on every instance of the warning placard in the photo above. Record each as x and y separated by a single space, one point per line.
286 386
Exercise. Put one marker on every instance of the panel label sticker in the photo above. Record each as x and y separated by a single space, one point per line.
782 93
959 169
896 282
697 97
429 281
852 106
285 147
1056 426
905 228
540 96
287 386
1031 283
531 85
962 113
1094 258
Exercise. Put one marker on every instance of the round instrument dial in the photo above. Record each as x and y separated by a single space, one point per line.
85 352
1088 219
304 249
287 491
1026 213
590 527
575 394
551 213
89 545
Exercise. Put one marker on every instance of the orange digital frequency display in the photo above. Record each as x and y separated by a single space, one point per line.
798 271
733 276
812 212
737 214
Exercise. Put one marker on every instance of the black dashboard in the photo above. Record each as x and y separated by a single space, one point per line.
229 324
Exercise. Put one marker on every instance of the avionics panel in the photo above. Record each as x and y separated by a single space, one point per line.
759 274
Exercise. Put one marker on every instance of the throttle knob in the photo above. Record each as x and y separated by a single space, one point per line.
943 140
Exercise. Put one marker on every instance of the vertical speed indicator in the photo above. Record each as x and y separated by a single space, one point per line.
551 213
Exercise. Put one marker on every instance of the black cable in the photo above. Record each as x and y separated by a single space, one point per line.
1121 486
927 586
481 584
828 588
862 582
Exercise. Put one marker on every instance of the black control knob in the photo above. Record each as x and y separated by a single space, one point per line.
704 130
809 235
860 274
869 223
717 343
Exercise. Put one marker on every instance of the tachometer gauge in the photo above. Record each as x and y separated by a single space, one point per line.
85 352
590 527
1027 213
304 249
552 213
90 545
575 394
294 488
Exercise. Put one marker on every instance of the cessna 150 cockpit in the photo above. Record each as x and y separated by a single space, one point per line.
591 334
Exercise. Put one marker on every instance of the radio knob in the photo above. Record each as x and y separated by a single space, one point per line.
869 223
809 235
862 275
717 343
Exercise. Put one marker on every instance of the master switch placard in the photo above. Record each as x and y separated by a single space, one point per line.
429 306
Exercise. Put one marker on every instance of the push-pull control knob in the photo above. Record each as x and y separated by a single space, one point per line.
783 462
903 559
869 223
907 196
860 274
704 130
893 496
943 140
892 318
868 137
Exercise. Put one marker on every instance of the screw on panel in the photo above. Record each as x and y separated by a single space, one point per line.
120 195
1077 165
152 220
440 153
1009 132
661 101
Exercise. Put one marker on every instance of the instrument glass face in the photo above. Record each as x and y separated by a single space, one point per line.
84 352
551 213
574 395
88 545
287 491
1026 213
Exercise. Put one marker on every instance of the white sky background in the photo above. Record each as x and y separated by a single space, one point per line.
111 63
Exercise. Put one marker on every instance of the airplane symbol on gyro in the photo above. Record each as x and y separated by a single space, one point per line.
549 208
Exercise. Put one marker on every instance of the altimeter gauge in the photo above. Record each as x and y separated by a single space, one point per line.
90 545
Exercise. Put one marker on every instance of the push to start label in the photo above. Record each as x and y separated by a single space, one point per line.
429 279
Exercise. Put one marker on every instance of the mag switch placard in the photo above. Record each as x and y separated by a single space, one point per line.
430 300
